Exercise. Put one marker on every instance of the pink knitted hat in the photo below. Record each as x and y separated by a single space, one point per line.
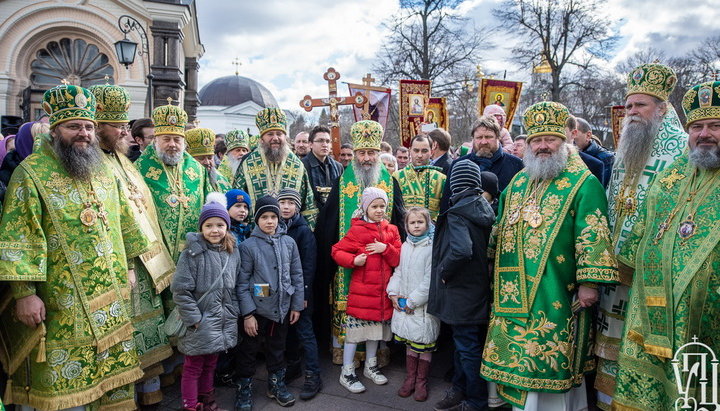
370 194
493 109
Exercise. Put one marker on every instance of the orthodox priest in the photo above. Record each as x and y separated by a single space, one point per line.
177 182
674 250
237 143
365 170
66 237
652 138
421 184
153 269
201 145
272 167
552 248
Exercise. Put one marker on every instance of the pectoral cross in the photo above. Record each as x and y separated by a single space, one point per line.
333 101
104 216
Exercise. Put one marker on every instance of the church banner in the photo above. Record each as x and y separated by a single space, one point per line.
377 107
414 98
617 114
436 113
503 93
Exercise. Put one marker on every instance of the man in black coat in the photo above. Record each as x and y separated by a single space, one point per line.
460 283
488 155
322 169
440 146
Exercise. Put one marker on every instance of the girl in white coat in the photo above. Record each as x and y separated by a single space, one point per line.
408 289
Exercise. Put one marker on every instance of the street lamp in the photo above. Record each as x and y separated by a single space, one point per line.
126 50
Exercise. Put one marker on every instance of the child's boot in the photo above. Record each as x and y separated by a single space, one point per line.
208 401
278 390
243 395
411 365
373 372
423 371
349 380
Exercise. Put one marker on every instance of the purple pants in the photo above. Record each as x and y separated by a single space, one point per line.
197 377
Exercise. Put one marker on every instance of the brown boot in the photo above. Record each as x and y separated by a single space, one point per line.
208 402
411 365
423 371
383 356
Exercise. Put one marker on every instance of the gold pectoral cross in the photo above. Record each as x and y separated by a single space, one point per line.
185 200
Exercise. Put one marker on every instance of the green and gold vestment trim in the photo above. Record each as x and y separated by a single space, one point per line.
422 187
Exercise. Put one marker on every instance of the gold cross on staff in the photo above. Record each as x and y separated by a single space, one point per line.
169 100
714 75
65 82
368 80
107 80
237 65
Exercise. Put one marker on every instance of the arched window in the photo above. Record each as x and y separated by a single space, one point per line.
76 61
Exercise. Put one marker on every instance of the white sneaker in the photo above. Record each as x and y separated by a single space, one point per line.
349 380
373 372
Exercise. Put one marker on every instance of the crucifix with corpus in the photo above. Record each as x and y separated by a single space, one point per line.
333 101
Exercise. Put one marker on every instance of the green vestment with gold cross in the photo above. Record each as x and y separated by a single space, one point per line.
179 193
259 178
535 340
675 295
350 193
422 187
154 272
69 243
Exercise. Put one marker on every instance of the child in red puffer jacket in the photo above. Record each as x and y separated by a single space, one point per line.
372 249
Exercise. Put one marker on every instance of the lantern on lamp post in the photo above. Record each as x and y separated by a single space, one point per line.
126 49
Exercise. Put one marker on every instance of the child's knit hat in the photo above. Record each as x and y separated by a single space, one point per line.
370 194
237 196
290 194
465 175
266 204
214 207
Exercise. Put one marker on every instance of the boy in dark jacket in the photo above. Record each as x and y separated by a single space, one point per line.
460 284
270 292
301 336
239 205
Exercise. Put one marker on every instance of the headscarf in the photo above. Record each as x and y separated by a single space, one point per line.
24 140
3 146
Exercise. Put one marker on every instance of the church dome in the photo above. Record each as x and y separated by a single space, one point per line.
233 90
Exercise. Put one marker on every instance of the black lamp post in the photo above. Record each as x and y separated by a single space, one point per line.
126 50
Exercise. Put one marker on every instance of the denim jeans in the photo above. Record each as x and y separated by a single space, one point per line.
305 335
469 343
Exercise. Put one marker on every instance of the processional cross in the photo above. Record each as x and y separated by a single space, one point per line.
333 101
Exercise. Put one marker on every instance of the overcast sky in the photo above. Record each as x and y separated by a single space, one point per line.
287 45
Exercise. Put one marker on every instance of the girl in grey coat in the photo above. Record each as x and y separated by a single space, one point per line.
204 291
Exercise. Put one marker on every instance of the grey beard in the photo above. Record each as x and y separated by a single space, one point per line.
212 176
275 155
545 168
705 159
170 159
80 163
636 143
234 163
366 175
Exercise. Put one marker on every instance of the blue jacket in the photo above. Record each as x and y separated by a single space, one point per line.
606 156
596 167
503 165
298 229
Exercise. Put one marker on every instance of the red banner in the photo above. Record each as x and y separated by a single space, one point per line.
505 94
414 99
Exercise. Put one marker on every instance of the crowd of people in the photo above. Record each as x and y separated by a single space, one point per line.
565 276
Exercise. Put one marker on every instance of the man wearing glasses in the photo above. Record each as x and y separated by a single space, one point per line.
321 167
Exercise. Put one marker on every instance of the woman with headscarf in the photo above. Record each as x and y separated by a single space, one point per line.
13 155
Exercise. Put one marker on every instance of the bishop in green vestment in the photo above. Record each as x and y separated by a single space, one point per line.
66 237
201 145
551 246
153 269
176 180
272 166
641 156
674 250
237 143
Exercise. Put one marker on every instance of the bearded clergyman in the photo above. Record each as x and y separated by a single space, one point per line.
66 237
153 269
365 170
237 143
551 246
272 167
652 138
177 182
672 331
